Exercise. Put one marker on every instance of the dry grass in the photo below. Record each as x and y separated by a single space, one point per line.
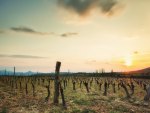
78 101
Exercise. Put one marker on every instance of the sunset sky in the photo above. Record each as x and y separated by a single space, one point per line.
85 35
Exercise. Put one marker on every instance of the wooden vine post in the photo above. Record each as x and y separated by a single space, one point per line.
56 83
14 71
58 87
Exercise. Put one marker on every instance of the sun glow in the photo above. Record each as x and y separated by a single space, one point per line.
128 60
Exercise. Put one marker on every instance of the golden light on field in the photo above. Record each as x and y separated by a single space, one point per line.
128 60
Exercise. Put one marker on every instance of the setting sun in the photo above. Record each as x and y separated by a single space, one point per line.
128 60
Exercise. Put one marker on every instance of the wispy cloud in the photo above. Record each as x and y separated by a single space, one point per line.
85 7
107 6
136 52
35 32
95 62
29 30
20 56
68 34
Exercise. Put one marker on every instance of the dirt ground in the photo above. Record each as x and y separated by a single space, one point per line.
14 101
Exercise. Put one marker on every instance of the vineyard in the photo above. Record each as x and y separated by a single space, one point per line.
74 93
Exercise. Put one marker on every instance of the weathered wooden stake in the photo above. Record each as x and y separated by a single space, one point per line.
14 70
56 83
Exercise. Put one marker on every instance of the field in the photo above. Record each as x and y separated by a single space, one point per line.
82 94
74 56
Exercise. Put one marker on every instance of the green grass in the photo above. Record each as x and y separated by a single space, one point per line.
87 111
82 102
4 110
120 109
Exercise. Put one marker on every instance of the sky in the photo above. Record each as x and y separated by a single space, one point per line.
85 35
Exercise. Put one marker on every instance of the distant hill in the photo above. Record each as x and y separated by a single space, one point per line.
141 71
3 72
